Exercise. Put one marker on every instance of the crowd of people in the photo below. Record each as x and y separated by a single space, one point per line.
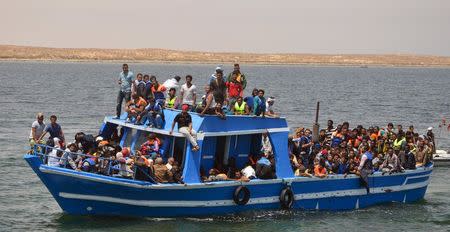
335 150
146 98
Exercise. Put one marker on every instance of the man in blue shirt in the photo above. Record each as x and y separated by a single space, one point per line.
54 129
125 80
249 99
259 104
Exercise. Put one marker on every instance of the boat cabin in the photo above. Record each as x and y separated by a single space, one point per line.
218 139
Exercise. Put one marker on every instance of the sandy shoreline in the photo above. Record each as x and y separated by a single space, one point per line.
41 54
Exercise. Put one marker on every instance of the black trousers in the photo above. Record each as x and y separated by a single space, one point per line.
120 97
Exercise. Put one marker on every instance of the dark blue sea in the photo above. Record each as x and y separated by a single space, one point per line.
81 94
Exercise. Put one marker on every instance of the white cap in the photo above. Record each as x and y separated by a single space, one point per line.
271 99
430 128
219 68
99 138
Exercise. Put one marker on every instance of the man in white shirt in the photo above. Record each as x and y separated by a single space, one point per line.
37 129
188 93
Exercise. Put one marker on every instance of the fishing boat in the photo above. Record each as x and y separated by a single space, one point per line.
84 193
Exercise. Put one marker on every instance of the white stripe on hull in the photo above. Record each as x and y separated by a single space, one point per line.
261 200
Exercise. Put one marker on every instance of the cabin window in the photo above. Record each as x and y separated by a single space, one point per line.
228 154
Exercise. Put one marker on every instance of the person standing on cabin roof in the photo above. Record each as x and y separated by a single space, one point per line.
188 93
218 87
234 88
259 104
240 78
184 121
37 129
147 88
172 83
138 85
125 80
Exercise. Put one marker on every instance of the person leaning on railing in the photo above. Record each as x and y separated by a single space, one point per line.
37 129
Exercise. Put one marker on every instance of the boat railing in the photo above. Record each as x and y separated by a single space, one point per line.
43 152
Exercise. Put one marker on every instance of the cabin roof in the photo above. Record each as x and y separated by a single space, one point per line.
211 125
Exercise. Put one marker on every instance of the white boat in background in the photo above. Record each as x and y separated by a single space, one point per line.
441 158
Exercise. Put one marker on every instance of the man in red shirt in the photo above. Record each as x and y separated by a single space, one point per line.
234 88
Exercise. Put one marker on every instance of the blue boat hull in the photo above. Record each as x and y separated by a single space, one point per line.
85 193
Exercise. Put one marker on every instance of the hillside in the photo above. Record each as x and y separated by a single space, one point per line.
11 52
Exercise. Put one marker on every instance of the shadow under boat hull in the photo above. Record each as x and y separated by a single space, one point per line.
84 193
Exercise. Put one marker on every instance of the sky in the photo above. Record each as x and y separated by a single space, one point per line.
285 26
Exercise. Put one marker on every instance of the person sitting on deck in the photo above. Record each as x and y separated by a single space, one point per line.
422 153
157 89
240 107
143 168
54 156
219 111
250 100
84 141
162 173
391 163
70 159
210 102
184 121
154 113
135 107
215 175
188 93
259 104
264 168
89 163
150 148
320 170
269 108
171 100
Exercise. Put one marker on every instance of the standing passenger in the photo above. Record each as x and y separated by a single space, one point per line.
125 80
249 99
240 78
188 93
218 87
54 129
37 129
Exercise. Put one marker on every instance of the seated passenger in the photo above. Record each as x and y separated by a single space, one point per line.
184 121
162 173
70 159
150 148
391 162
264 168
269 108
170 163
176 173
248 172
143 169
135 106
215 175
89 163
259 104
153 112
171 101
410 159
124 165
219 111
240 107
157 89
54 156
210 102
320 170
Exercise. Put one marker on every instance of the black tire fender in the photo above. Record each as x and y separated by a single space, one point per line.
286 198
241 195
